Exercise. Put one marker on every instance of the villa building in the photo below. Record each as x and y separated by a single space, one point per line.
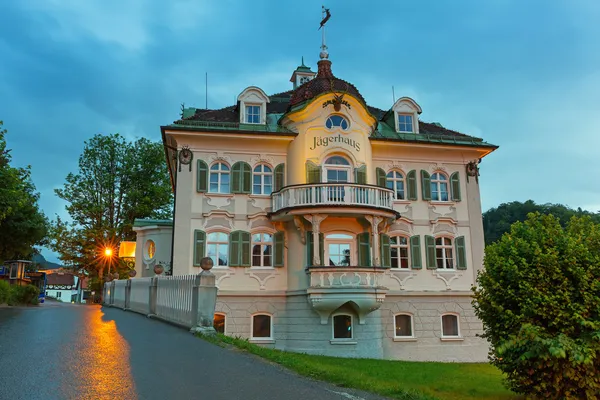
335 227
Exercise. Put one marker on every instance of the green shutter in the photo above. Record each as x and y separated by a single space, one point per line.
246 184
364 249
360 175
313 172
199 243
322 249
279 177
381 178
278 251
384 241
201 176
430 252
309 248
411 185
461 256
426 184
415 252
455 184
245 249
234 249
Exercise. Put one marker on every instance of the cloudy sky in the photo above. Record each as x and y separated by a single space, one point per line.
524 75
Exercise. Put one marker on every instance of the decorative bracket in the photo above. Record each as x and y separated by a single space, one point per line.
300 226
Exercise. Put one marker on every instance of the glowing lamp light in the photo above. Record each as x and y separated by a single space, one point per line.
127 250
108 252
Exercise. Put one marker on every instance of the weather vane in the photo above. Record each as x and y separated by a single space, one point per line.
325 14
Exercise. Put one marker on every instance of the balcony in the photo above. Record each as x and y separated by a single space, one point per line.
333 195
332 287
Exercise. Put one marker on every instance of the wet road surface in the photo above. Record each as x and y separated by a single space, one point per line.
65 351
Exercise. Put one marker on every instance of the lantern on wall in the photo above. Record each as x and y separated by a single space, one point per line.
127 250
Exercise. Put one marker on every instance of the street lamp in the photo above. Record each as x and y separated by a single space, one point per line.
108 252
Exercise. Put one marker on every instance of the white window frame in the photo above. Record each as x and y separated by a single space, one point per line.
261 339
351 241
450 337
412 117
327 167
218 243
262 175
398 247
394 180
219 172
261 243
412 327
437 183
333 338
247 114
224 321
444 258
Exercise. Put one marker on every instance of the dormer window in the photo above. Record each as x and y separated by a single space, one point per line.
405 123
253 114
335 121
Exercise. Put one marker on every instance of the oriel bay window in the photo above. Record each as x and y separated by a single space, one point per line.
340 250
446 253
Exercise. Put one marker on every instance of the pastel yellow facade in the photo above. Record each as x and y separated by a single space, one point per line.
335 228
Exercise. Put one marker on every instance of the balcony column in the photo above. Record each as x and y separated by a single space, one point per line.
316 220
375 250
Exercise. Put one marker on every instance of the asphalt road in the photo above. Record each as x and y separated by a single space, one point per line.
65 351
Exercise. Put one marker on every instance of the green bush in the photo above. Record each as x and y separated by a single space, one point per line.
539 300
27 294
4 291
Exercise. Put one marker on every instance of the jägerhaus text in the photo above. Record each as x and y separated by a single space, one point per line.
326 140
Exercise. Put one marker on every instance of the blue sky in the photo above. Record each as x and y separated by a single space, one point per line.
524 75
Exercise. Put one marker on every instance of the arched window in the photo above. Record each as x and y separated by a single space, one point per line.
403 324
342 326
337 169
217 248
262 250
262 180
262 326
439 187
219 322
450 326
444 253
335 121
395 181
399 252
219 178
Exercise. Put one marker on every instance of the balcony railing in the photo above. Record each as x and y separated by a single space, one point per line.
345 277
326 194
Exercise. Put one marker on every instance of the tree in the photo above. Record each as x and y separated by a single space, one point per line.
539 300
22 224
116 183
497 221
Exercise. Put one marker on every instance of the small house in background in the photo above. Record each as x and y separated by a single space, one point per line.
62 286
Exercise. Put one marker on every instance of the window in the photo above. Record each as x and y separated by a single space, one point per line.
217 248
219 323
335 121
262 180
262 250
342 327
395 181
150 249
58 294
399 252
339 249
261 326
443 253
219 178
405 123
450 325
253 114
403 325
439 187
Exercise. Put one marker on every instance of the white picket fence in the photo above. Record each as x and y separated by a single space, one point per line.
170 298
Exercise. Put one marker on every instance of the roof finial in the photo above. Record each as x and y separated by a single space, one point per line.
303 62
325 14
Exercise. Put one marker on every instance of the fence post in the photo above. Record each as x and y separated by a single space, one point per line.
206 299
195 298
127 294
152 292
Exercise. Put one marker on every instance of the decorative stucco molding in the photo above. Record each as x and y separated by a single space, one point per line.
437 167
218 201
441 226
447 277
261 276
262 159
222 274
402 277
396 165
220 156
299 223
216 222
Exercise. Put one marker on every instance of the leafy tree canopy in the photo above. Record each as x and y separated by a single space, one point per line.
497 221
22 224
539 300
117 181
